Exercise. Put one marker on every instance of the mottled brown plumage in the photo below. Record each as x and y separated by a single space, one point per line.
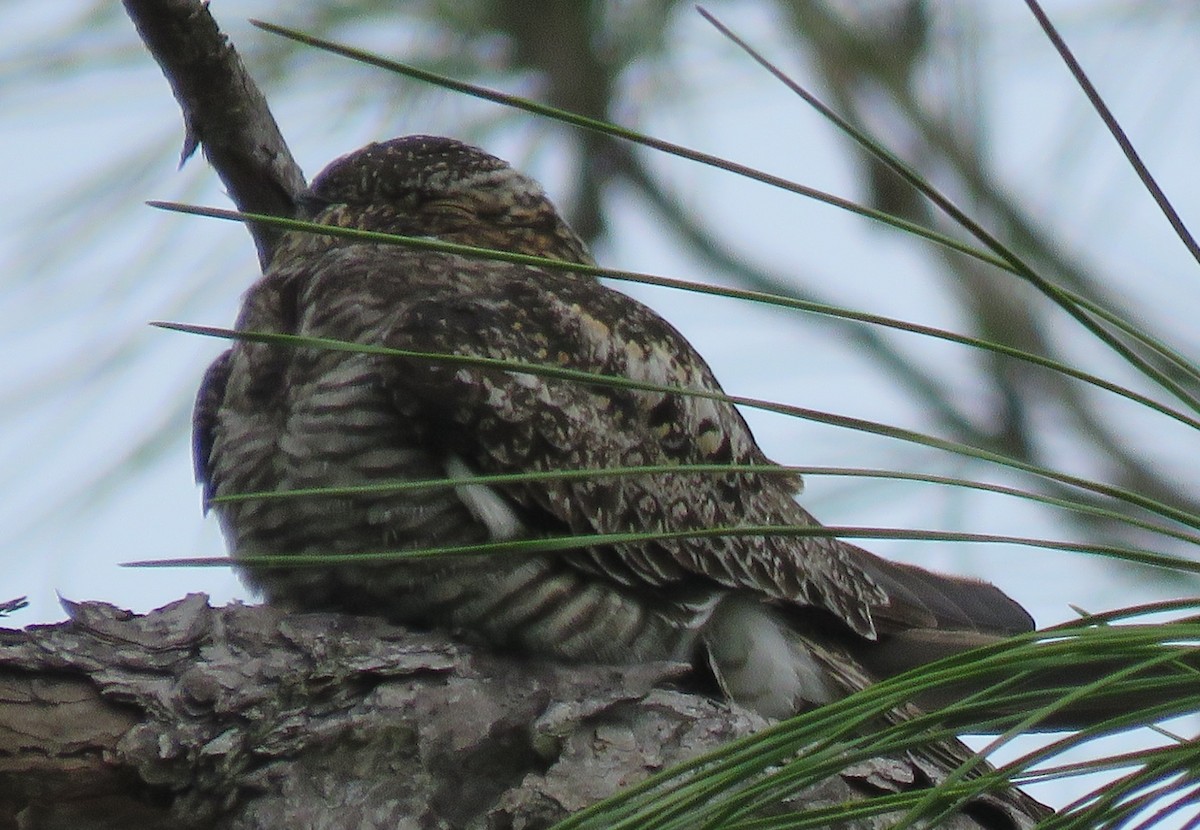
786 623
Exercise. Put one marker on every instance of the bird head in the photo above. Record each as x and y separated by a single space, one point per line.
435 187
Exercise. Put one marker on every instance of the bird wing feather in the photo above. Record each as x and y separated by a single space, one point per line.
503 421
204 420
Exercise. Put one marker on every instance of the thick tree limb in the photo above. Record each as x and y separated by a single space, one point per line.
251 717
223 110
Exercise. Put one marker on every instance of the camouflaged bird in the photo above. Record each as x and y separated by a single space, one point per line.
785 623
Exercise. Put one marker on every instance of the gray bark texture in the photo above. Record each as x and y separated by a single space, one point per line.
252 717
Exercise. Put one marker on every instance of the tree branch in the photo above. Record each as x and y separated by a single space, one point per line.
253 717
223 110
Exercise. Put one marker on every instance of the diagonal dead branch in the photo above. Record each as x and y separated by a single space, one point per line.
223 110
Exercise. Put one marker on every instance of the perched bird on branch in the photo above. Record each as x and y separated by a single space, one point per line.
785 623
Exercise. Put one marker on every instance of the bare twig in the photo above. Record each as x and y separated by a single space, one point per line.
223 110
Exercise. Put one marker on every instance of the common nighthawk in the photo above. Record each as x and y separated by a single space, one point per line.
786 623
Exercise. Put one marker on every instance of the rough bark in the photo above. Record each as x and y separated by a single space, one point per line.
251 717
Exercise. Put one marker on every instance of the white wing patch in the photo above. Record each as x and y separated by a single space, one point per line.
485 504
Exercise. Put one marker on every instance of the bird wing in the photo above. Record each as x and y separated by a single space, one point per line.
505 421
204 420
